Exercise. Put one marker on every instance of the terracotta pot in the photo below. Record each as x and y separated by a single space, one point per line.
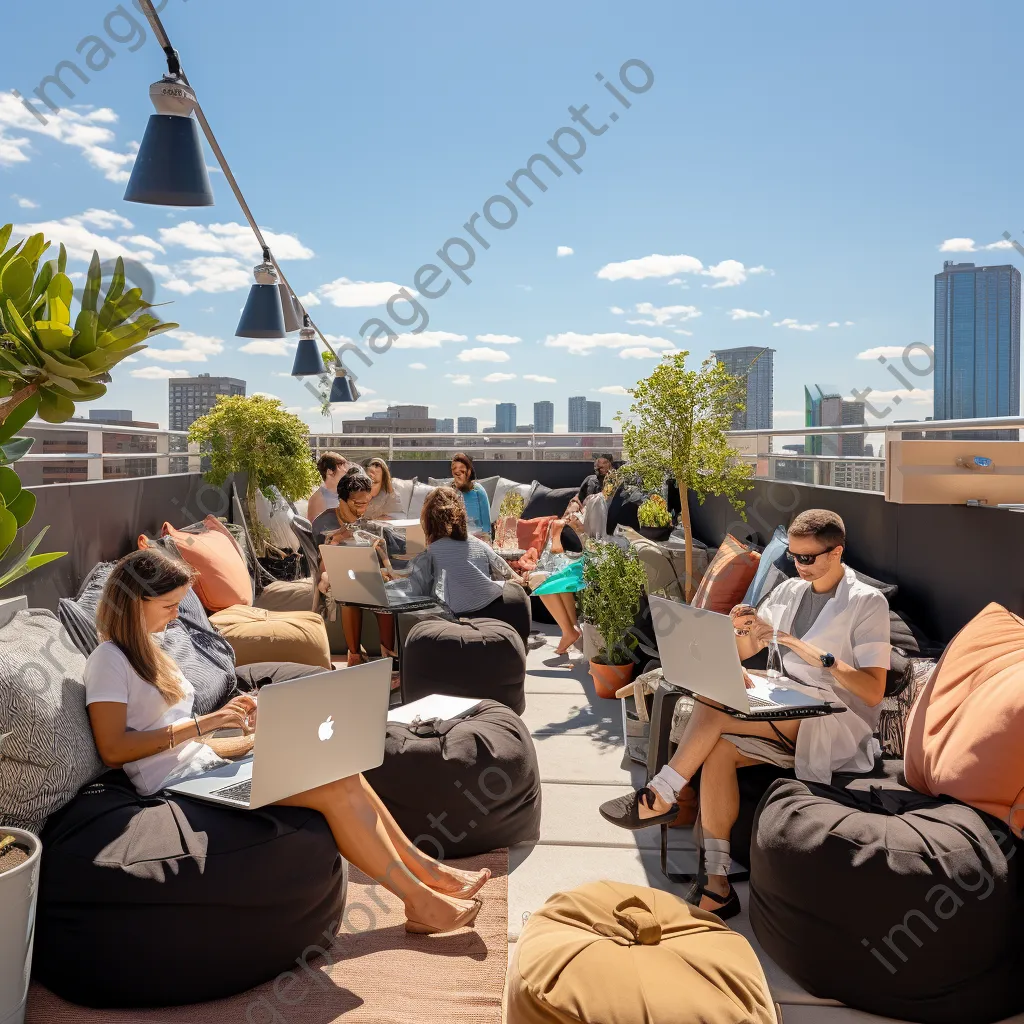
608 678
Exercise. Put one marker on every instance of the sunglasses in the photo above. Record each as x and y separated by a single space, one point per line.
808 559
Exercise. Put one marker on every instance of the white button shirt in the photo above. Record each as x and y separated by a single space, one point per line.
853 626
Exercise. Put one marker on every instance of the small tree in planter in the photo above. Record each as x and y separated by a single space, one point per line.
255 435
677 427
615 581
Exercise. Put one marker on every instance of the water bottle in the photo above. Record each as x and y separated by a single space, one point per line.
774 657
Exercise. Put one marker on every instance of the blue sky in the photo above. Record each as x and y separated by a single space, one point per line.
805 163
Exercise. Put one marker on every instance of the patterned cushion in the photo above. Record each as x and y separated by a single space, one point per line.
205 658
46 747
728 577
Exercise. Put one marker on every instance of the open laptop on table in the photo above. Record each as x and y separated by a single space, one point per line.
356 578
415 541
698 654
309 732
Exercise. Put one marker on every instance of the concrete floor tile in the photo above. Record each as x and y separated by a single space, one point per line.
550 714
582 759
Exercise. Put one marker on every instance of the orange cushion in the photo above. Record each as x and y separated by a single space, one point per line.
223 575
258 635
532 535
964 732
728 577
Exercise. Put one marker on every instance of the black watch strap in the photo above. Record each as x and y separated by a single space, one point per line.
828 660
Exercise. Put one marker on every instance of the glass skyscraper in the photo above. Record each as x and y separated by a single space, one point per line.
544 417
824 406
467 425
977 343
578 414
505 418
757 366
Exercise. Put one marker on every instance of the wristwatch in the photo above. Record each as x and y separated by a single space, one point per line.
827 660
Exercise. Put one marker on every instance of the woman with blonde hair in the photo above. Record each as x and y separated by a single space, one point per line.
143 720
384 503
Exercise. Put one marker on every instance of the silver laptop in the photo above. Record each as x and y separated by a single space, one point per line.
356 578
698 654
415 541
309 732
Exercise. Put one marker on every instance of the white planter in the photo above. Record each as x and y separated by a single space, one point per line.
9 607
18 889
592 641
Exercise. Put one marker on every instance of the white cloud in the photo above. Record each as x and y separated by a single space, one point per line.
834 323
584 344
483 355
563 250
497 378
882 351
795 325
644 352
144 241
617 310
233 239
539 378
613 389
309 300
499 339
659 316
81 129
417 366
209 274
969 245
80 240
426 339
679 330
194 348
459 379
650 266
25 204
267 347
848 323
747 314
157 373
351 294
475 403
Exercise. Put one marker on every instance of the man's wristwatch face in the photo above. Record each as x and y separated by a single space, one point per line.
828 660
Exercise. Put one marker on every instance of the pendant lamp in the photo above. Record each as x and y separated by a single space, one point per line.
292 309
263 315
308 362
170 168
342 390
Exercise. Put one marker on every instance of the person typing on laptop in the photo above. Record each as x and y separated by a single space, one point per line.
834 634
141 712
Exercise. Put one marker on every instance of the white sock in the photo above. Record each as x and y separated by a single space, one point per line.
717 856
667 784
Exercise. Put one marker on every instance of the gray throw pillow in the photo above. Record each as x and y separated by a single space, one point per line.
47 753
435 481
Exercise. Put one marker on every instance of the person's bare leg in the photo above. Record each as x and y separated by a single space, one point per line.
386 628
363 840
556 604
438 875
352 626
569 603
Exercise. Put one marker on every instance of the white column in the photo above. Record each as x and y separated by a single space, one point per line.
163 447
94 446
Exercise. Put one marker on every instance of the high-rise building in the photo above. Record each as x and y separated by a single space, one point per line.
505 418
977 344
467 425
446 426
398 419
188 398
112 416
758 367
578 414
544 417
825 406
593 416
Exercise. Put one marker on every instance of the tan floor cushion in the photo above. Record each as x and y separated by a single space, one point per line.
282 596
257 634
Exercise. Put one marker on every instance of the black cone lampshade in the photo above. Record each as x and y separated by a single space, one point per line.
292 309
308 362
342 390
170 168
263 315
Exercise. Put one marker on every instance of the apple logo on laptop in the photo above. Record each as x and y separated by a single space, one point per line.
326 729
351 574
694 650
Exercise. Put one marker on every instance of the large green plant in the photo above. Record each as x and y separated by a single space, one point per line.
677 427
48 364
255 435
615 581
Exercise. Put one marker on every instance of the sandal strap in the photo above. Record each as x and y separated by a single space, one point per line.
721 900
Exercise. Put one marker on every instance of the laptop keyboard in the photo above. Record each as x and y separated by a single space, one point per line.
240 791
760 702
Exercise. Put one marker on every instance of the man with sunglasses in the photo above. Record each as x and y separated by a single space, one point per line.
833 631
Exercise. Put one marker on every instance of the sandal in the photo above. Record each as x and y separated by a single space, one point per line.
729 906
624 811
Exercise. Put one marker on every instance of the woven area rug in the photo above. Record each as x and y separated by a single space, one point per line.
383 976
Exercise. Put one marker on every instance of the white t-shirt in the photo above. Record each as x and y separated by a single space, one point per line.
110 678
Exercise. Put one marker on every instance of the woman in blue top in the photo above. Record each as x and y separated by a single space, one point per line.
474 497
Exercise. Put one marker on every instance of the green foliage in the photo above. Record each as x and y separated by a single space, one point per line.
255 435
654 512
49 362
615 581
677 426
512 505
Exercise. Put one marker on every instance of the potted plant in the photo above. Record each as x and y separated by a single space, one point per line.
615 581
253 434
19 882
510 511
677 426
655 518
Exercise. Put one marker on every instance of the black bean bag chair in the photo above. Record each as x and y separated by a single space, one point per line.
512 607
163 900
547 501
462 787
898 904
467 658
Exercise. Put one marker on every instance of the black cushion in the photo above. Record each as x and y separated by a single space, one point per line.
624 508
465 786
895 903
547 501
467 658
512 607
163 900
205 658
